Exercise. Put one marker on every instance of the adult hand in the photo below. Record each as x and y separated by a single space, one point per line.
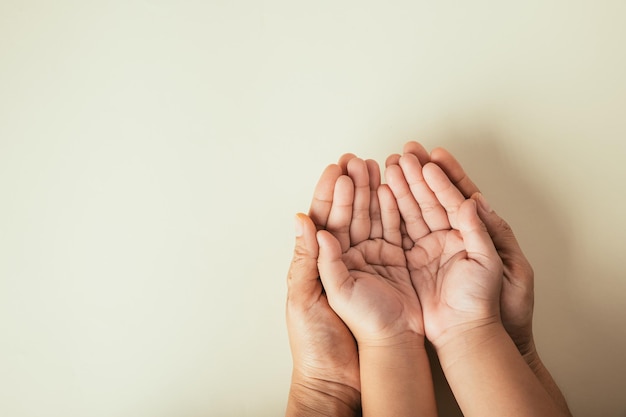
325 378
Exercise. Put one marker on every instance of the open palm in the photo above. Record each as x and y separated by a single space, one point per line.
369 286
361 260
516 298
453 265
451 285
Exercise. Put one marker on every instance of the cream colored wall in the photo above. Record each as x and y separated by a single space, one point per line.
153 153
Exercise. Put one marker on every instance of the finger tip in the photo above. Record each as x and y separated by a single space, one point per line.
468 215
392 160
438 152
482 202
324 241
344 161
333 170
320 235
299 224
357 169
382 189
430 169
468 204
392 172
344 181
355 159
373 169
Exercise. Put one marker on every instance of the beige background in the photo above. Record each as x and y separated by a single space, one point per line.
153 154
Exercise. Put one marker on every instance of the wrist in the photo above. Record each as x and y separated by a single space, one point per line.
467 330
526 347
309 397
401 357
522 337
525 344
531 356
396 379
501 380
403 341
463 341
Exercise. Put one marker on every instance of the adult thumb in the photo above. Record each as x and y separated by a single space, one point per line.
303 275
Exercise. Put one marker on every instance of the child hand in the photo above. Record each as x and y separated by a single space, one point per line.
517 295
453 264
365 276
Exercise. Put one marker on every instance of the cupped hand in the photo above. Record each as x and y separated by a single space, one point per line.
325 357
517 295
361 260
453 264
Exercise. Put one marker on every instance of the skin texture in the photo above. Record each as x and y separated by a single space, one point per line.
457 274
364 272
452 257
365 277
517 299
325 379
517 292
517 286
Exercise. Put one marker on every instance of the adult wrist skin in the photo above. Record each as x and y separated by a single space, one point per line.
311 397
527 348
536 365
529 353
523 339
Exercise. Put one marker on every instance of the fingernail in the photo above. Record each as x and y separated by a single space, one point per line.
483 203
299 226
